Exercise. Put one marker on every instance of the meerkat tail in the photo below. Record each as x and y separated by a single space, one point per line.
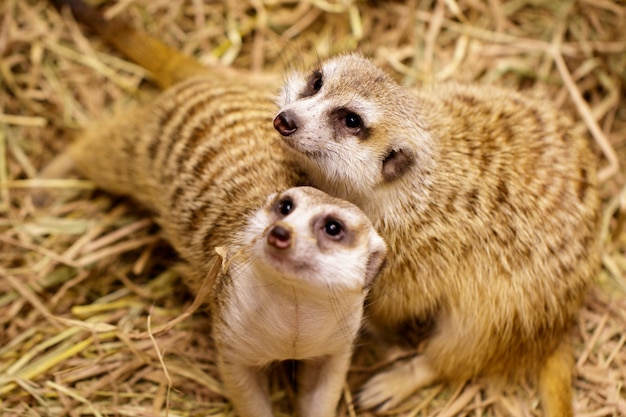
166 65
555 382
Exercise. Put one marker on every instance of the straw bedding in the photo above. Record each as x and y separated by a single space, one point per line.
88 288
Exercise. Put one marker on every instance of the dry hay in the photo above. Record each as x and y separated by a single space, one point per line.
86 283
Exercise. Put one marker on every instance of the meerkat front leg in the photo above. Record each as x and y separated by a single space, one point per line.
247 389
320 384
388 389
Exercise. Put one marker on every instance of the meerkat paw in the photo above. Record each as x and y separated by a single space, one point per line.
388 389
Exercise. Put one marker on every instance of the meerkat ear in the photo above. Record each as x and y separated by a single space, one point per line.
396 163
376 260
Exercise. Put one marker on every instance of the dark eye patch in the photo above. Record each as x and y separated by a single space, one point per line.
331 229
317 82
314 84
334 229
285 206
353 121
350 122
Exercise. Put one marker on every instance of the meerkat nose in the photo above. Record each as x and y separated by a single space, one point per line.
279 237
285 123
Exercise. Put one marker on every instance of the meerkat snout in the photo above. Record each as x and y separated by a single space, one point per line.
286 123
280 237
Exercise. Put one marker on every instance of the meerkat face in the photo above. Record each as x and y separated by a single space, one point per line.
306 238
351 124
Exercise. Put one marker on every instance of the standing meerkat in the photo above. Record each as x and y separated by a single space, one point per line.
284 297
488 202
297 266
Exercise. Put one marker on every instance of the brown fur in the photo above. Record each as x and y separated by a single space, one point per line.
199 160
487 200
201 157
183 157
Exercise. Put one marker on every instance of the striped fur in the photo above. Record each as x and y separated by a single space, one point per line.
206 160
203 157
201 160
489 204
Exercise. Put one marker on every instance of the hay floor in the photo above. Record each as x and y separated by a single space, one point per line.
86 282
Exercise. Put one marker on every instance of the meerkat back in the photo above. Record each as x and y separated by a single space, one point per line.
200 156
180 156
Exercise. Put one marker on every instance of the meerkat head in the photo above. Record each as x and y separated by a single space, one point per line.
353 127
309 239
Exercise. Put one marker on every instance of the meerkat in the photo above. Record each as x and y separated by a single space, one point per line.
488 202
284 298
297 265
286 294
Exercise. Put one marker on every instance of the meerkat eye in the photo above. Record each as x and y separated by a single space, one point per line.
334 229
314 84
316 81
285 206
353 121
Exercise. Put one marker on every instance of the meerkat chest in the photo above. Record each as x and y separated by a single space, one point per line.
267 324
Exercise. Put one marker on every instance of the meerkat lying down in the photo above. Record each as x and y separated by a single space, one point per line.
488 202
